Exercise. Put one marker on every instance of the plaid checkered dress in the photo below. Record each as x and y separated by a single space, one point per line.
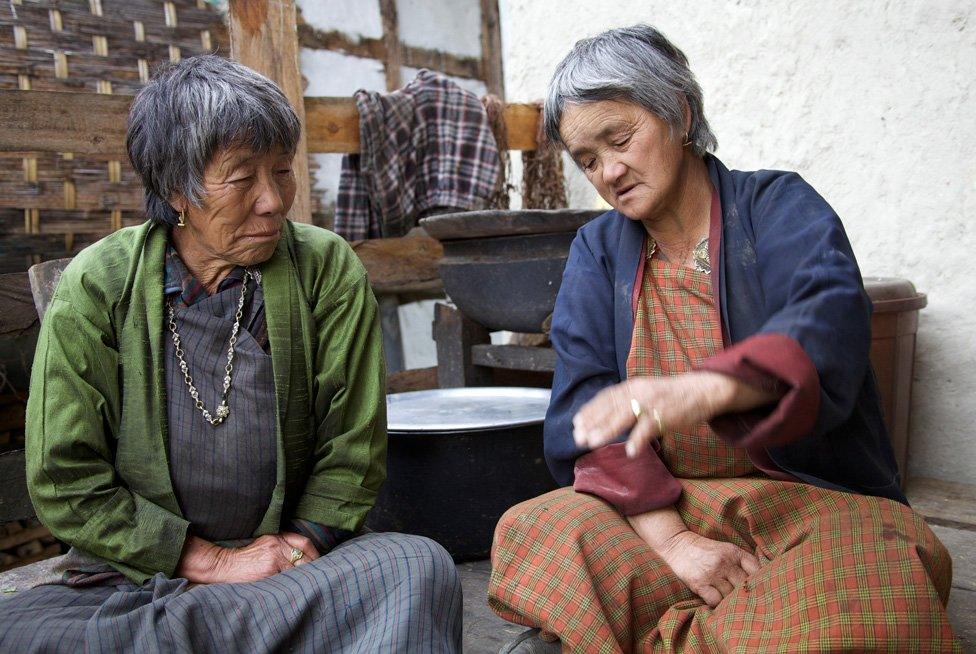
839 571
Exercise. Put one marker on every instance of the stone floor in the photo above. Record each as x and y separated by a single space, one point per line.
949 508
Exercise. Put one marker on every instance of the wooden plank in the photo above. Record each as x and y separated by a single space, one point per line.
944 502
403 264
89 123
491 49
15 503
48 121
514 357
263 37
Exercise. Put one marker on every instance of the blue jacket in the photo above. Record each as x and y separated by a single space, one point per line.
792 305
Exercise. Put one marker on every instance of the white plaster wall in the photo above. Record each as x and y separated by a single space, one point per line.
353 17
873 104
452 26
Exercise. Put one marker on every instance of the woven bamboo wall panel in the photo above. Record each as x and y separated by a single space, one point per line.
52 205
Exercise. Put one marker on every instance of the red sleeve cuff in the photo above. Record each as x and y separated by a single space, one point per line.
761 360
631 486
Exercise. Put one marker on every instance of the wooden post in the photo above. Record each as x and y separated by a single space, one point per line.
455 334
390 325
263 36
491 49
391 42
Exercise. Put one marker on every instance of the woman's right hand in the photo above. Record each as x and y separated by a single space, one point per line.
710 568
207 563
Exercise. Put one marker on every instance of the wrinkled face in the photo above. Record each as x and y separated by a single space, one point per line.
627 153
246 199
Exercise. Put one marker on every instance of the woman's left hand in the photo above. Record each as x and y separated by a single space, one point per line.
665 403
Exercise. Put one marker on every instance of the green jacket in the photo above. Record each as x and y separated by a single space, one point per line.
97 464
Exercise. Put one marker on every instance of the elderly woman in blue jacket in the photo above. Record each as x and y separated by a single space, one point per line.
714 412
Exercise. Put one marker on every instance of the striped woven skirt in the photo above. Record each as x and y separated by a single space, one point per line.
374 593
839 573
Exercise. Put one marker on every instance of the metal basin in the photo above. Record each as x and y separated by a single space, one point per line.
457 459
503 268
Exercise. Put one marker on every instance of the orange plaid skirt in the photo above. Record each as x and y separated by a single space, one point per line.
839 572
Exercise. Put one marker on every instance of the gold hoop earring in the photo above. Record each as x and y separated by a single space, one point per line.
182 222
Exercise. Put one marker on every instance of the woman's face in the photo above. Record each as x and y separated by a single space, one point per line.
628 155
246 198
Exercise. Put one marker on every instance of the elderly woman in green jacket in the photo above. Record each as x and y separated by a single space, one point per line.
206 424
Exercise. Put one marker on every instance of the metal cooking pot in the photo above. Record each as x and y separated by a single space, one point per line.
457 459
503 268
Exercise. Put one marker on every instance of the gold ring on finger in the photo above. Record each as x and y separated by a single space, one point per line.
636 408
296 555
657 418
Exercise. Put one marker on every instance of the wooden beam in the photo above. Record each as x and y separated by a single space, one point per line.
89 123
442 62
370 48
332 125
263 37
336 41
514 357
491 49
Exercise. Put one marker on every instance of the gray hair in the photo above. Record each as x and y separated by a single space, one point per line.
634 64
191 110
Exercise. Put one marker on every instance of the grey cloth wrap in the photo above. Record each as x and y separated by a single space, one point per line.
223 476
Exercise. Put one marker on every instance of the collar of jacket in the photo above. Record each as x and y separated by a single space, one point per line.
142 350
630 264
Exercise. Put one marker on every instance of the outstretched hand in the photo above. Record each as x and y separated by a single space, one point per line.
665 403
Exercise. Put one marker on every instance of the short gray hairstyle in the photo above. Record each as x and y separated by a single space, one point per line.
191 110
634 64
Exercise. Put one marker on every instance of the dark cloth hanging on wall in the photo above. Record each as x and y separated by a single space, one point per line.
424 148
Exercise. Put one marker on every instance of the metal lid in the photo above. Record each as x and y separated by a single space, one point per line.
466 409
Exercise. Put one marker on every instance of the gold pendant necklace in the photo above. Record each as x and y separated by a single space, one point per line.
699 255
222 410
